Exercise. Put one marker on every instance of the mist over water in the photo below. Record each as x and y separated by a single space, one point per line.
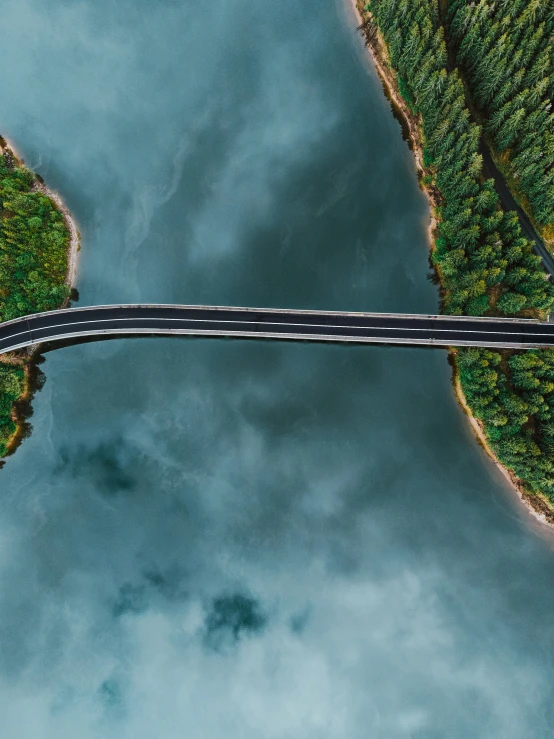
243 539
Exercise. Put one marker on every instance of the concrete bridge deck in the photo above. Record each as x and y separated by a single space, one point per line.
301 325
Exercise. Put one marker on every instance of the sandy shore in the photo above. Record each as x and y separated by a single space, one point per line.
535 506
74 235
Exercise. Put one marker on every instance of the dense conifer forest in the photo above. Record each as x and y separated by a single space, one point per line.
34 242
485 263
506 53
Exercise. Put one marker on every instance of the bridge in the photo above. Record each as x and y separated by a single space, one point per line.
74 324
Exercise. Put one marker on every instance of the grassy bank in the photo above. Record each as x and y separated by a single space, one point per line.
485 265
34 252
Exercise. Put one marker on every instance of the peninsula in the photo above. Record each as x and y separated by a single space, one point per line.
483 261
38 248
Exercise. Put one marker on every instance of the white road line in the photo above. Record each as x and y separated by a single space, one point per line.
507 333
290 325
287 336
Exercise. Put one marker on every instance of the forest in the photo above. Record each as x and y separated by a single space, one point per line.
505 50
34 241
485 264
12 384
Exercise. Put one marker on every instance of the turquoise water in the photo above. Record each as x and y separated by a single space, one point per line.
210 539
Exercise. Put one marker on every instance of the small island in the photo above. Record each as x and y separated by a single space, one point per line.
38 246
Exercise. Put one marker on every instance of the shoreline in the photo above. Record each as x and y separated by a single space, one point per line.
532 502
408 121
534 505
21 409
74 234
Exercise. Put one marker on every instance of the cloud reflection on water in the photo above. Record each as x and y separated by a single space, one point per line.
231 539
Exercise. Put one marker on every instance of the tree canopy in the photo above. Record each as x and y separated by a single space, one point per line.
34 242
486 265
506 52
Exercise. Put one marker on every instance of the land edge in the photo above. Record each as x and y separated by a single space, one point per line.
536 505
28 359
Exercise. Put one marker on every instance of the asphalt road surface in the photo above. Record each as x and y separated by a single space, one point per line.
368 328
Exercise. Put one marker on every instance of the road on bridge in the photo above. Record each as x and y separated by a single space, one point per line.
368 328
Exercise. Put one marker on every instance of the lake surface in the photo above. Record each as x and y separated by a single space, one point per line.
224 539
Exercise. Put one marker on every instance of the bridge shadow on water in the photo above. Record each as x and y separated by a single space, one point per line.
36 377
50 346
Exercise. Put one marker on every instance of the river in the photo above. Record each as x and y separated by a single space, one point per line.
224 539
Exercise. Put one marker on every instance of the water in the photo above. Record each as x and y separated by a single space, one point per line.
233 539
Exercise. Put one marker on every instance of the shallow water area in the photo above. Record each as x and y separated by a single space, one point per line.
243 539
